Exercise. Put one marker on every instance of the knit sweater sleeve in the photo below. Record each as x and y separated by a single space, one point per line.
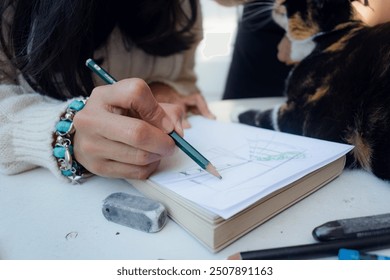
27 122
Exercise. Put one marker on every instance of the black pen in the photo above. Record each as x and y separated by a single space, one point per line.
316 250
353 228
180 142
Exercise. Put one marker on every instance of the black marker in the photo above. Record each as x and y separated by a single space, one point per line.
316 250
353 228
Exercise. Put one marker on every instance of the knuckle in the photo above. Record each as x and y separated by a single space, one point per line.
142 157
142 174
145 171
96 93
98 168
87 147
136 87
139 85
139 134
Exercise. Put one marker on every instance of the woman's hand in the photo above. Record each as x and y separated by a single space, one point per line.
122 131
194 103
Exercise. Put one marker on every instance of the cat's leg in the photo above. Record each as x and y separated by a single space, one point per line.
266 119
287 117
256 118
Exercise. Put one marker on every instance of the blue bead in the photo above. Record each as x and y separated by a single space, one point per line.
64 126
67 172
59 151
76 105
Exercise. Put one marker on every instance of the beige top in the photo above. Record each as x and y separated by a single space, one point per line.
27 119
232 2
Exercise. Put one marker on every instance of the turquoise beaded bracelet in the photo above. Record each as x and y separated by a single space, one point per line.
63 148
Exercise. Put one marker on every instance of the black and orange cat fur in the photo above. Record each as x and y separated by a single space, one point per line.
340 89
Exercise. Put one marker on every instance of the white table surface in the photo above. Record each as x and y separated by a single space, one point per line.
43 218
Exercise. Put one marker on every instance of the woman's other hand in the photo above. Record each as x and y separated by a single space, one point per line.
193 103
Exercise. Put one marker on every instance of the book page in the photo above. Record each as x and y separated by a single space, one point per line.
253 163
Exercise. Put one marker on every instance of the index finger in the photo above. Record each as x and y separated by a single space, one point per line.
135 95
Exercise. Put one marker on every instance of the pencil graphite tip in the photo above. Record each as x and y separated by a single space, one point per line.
212 170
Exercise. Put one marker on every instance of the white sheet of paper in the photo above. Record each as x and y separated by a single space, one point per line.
253 162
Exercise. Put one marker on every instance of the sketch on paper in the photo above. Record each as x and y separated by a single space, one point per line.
256 157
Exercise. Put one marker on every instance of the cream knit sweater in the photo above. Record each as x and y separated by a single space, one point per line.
27 119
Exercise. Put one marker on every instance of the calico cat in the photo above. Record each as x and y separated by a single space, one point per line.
340 89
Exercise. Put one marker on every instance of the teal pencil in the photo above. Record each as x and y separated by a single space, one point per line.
179 141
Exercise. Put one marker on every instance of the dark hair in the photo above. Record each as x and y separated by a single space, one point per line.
49 41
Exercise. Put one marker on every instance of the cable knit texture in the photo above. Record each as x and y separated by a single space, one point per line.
27 127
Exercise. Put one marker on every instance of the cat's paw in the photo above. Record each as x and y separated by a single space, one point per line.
250 117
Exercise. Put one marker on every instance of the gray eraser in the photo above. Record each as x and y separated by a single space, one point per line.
134 211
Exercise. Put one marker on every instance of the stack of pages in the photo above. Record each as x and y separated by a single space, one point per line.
263 172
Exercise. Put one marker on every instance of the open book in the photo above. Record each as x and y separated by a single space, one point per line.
263 172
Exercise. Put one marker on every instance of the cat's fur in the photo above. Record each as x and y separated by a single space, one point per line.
340 91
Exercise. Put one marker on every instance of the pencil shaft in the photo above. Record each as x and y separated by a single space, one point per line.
189 150
318 250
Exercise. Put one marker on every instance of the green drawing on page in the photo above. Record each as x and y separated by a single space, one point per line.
268 151
278 156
